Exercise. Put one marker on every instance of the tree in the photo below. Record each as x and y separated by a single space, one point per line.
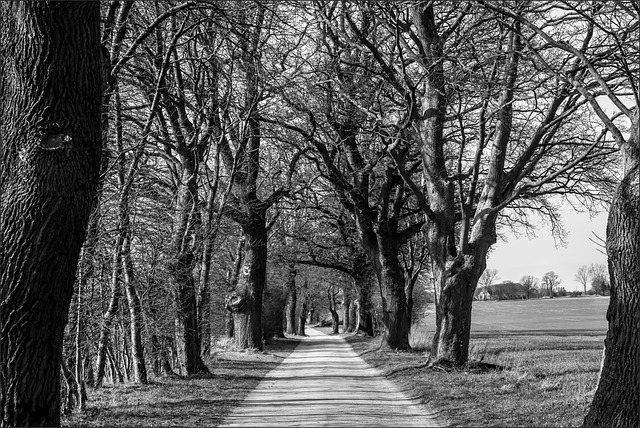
487 277
582 276
531 284
333 309
50 134
610 71
599 279
488 148
551 280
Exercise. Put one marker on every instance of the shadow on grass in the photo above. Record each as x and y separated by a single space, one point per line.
200 400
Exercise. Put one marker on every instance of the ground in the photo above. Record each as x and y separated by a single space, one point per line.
533 366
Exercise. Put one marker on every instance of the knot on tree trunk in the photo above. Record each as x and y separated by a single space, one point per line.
234 302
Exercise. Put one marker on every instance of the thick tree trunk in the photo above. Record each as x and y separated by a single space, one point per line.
395 315
51 91
187 325
292 300
362 283
182 273
453 321
617 398
246 301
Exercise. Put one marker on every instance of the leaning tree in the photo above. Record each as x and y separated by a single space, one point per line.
50 133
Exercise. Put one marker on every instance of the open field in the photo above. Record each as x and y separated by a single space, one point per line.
536 363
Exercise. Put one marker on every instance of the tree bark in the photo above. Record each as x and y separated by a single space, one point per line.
135 317
50 134
292 300
182 272
304 311
617 396
246 301
335 319
347 323
362 272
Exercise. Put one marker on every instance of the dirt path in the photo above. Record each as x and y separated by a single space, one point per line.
324 383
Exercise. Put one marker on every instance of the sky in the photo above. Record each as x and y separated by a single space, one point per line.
520 256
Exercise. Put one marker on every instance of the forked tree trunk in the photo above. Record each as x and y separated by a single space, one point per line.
617 398
50 149
292 300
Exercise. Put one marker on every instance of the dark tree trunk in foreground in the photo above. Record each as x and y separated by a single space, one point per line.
617 398
292 300
50 134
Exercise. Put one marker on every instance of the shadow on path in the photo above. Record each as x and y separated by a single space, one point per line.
324 383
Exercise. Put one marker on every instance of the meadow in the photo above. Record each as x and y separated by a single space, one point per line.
533 363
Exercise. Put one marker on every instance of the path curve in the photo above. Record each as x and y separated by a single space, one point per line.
325 383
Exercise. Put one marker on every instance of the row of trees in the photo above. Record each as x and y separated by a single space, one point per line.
203 150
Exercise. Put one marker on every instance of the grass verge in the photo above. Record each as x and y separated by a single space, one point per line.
545 379
183 401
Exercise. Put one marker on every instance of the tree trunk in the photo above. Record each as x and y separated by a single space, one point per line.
79 368
182 273
453 321
231 287
187 326
347 326
304 309
617 398
135 316
161 357
362 283
302 319
353 317
335 319
395 316
292 300
246 301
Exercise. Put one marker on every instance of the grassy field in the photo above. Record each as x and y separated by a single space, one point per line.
535 363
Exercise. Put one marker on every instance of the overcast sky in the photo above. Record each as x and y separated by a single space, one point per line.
521 256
